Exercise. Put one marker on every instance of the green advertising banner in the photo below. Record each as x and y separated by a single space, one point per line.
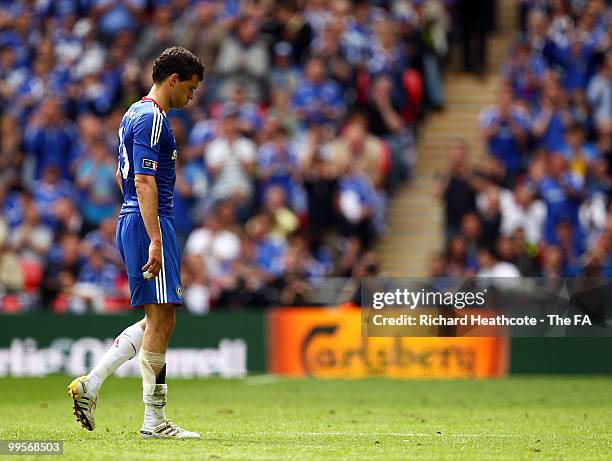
561 355
219 344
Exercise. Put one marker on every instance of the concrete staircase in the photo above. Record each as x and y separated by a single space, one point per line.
415 215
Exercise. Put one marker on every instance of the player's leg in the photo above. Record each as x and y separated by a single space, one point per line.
152 358
84 389
125 347
160 324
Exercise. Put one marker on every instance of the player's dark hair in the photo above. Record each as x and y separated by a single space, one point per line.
177 60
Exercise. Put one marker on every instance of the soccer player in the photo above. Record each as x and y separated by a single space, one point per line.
146 174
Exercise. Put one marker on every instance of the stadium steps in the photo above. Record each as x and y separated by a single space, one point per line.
415 217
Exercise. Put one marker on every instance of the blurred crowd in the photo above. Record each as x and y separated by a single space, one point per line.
539 203
287 156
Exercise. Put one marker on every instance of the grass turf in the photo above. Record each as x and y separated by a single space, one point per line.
263 418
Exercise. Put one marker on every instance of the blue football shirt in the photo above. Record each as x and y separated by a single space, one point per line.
147 146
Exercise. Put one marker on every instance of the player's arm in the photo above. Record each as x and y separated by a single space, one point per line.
147 132
146 189
118 177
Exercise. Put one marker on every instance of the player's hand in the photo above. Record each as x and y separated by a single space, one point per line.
153 266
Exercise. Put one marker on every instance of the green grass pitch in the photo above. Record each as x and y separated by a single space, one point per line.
260 418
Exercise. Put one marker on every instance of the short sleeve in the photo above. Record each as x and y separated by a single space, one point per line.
147 134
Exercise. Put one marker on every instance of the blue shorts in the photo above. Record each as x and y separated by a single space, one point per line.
133 242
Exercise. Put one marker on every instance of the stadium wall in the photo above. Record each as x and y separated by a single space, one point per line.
298 342
220 344
561 355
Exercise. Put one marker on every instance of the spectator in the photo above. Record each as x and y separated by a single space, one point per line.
61 270
525 72
327 47
287 23
246 283
284 74
104 239
537 31
552 262
359 206
457 188
190 190
321 185
599 93
96 280
458 262
489 211
116 16
491 266
284 221
387 54
277 164
553 118
156 37
561 23
11 156
576 60
317 100
213 247
385 120
32 239
437 266
269 249
243 59
265 153
11 272
504 128
571 248
367 152
524 254
49 140
204 30
280 111
196 295
594 211
577 152
67 217
229 160
474 21
250 118
562 191
473 233
95 179
520 210
49 191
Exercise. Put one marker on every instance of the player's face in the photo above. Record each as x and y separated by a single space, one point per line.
182 92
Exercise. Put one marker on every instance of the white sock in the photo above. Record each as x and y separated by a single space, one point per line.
154 388
125 347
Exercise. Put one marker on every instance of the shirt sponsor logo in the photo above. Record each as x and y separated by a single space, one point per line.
149 164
